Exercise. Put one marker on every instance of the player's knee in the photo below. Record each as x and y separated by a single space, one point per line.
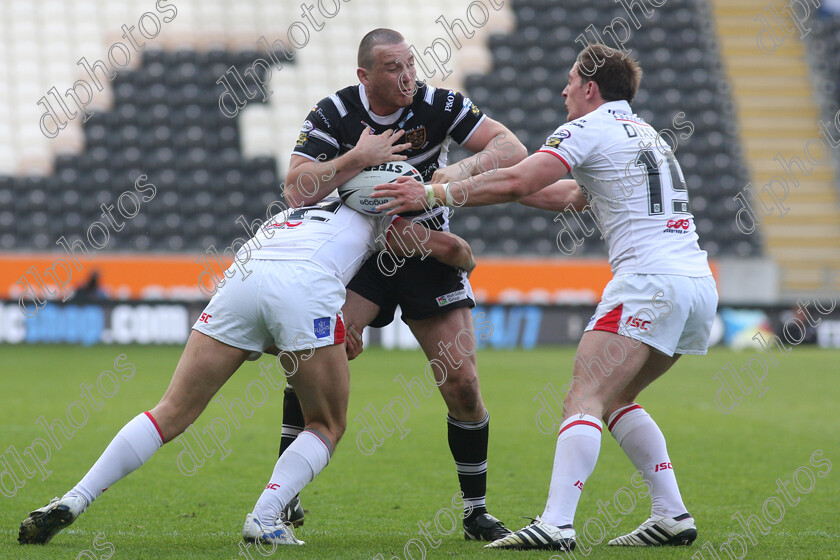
172 420
331 428
170 427
463 394
336 433
461 387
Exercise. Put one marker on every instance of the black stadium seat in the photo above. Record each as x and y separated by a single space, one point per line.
674 38
166 124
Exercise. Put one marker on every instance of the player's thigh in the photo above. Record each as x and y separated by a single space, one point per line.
605 363
358 310
448 338
322 383
448 341
205 365
371 287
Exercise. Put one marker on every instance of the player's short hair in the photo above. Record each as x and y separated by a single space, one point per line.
381 36
616 73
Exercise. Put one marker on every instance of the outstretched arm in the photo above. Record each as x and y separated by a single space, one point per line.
496 187
493 146
563 195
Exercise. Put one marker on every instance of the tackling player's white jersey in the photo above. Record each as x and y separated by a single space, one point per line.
635 188
328 234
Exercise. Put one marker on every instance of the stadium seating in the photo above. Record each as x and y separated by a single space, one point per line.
682 73
824 46
166 125
164 122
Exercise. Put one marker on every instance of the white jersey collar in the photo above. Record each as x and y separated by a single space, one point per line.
387 119
620 106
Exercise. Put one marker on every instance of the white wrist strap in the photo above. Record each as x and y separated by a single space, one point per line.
450 202
430 195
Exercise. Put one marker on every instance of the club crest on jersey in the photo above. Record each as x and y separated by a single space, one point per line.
322 327
304 136
417 137
307 126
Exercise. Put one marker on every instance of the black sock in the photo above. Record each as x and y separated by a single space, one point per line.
468 443
292 419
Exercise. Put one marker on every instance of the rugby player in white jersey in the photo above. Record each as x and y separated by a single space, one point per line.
659 305
291 296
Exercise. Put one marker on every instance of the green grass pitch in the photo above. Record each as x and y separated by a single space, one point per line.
366 505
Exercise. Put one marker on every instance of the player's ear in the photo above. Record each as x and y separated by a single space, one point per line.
361 73
591 89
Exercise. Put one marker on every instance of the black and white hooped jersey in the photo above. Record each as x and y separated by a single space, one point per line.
435 116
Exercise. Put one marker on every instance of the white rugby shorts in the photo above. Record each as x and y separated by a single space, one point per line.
293 304
673 314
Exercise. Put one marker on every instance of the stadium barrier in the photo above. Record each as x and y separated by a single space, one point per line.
501 326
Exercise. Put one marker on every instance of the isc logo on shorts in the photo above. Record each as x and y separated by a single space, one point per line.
322 327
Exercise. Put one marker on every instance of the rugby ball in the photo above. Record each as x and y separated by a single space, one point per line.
357 193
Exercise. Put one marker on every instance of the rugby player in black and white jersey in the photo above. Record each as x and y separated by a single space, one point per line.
291 297
659 305
417 122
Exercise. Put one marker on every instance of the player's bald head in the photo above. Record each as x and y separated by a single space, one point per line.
381 36
617 73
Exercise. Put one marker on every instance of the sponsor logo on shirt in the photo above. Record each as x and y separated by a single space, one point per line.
450 100
282 225
320 112
451 297
304 136
322 327
677 226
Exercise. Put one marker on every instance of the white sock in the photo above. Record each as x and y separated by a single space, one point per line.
300 463
574 460
131 447
643 442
